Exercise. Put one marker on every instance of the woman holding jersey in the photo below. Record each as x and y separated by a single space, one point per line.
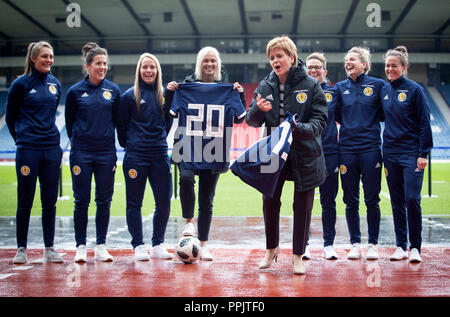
30 115
359 112
143 123
316 65
208 69
407 141
90 113
289 88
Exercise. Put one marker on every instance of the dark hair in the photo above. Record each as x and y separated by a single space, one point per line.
401 53
90 50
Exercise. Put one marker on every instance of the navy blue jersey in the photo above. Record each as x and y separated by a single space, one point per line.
260 165
91 115
142 132
31 111
330 133
359 112
206 113
407 124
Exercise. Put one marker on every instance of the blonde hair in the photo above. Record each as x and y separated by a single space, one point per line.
401 53
321 58
33 51
198 65
158 82
89 51
364 55
286 44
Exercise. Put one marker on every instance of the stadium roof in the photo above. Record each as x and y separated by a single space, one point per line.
24 20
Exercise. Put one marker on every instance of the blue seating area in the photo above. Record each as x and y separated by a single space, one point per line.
445 91
441 131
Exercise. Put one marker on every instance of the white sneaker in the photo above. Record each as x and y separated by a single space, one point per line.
81 255
160 252
102 254
21 256
329 253
372 253
398 255
355 252
50 255
414 256
205 254
307 254
140 253
189 230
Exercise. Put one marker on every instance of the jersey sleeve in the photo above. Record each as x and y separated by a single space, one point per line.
175 107
238 109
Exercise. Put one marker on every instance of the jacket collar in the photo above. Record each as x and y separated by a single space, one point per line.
398 81
91 84
359 78
37 74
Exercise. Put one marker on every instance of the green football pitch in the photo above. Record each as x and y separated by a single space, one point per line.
233 197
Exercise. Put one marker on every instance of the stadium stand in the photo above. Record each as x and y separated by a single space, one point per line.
445 91
440 129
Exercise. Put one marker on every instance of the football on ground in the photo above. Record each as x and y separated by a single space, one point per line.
188 250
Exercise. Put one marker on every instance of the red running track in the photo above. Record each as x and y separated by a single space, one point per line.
233 273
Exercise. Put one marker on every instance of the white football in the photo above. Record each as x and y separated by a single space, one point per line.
188 249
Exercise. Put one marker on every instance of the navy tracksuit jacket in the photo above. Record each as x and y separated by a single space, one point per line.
407 136
90 122
30 115
359 112
143 135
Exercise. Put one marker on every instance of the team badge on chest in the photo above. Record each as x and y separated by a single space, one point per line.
52 89
368 91
301 97
107 95
328 96
401 97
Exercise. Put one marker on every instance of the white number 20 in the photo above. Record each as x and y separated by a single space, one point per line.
210 131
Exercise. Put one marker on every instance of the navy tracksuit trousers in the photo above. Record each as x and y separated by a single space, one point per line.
404 180
158 173
207 182
103 165
365 167
31 164
328 192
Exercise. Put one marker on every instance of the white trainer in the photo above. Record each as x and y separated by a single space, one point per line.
355 252
189 230
140 253
102 254
307 254
50 255
160 252
329 253
21 256
81 255
414 256
398 255
372 253
205 254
